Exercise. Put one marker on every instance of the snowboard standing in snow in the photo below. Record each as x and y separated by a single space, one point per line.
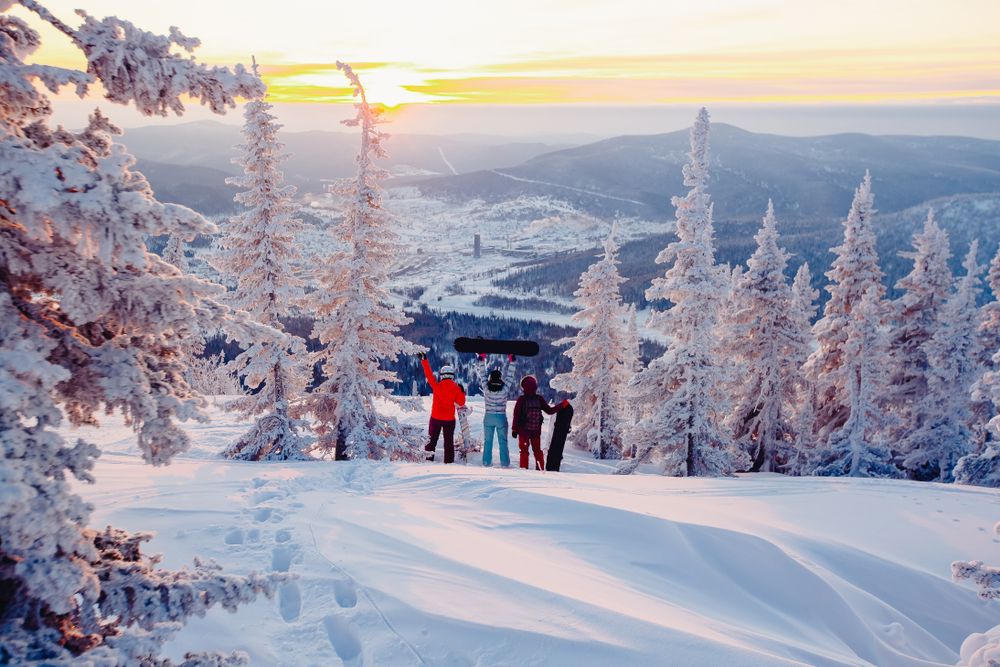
560 430
519 348
465 432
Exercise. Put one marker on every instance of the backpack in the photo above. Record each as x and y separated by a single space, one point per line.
531 414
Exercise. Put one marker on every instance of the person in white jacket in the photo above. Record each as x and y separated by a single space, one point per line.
496 392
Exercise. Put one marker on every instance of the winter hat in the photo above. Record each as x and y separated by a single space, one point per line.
447 372
529 384
495 383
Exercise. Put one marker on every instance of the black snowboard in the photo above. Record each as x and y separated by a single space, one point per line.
559 432
520 348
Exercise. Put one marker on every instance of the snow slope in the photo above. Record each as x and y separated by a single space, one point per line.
407 564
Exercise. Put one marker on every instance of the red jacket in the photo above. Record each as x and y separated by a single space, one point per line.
447 395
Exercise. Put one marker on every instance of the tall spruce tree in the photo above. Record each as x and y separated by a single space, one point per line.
915 317
357 325
92 323
855 271
858 447
794 458
678 391
258 248
763 338
989 344
600 358
941 430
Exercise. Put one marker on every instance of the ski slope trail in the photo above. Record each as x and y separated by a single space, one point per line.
567 187
426 564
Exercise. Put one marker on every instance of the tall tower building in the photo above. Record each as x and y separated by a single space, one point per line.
477 248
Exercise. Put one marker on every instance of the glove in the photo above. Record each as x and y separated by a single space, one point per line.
512 358
565 403
483 357
513 433
421 355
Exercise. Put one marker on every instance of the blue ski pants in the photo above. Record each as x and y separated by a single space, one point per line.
497 423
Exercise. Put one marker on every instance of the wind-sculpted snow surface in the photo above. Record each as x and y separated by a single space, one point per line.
423 564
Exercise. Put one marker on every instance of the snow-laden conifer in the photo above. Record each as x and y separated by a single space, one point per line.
678 391
766 342
795 457
855 271
940 432
634 356
600 355
258 248
858 447
915 317
89 321
989 344
356 323
173 253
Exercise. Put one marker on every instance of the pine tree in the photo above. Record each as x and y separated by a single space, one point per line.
802 309
915 319
854 272
599 355
989 344
258 248
941 432
679 389
765 341
91 322
857 448
173 253
356 323
634 358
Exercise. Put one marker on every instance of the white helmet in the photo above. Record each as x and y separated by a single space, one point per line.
447 372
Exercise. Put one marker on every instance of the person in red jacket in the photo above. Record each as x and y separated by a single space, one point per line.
447 395
527 424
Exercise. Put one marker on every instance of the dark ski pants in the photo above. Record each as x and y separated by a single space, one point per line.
435 428
536 447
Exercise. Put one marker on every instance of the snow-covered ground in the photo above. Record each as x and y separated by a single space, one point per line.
460 565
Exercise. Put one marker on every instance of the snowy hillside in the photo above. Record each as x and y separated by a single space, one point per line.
422 564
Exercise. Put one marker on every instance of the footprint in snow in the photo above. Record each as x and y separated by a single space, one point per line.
344 640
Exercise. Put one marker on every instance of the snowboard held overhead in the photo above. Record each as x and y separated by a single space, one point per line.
519 348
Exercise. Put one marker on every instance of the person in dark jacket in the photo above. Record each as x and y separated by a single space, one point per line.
527 426
447 395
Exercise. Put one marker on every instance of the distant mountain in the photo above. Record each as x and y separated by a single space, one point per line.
805 177
321 155
200 188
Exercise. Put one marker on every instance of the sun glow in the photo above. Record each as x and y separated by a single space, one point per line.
588 51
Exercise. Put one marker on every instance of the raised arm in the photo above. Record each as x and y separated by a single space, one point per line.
430 376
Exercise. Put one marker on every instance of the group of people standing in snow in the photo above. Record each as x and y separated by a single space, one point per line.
527 419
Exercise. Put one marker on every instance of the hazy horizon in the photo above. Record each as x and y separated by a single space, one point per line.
978 120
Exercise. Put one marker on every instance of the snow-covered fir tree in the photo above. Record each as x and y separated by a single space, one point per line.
600 358
794 458
257 249
767 343
173 253
356 323
634 356
855 271
941 431
678 391
89 321
857 447
989 344
915 317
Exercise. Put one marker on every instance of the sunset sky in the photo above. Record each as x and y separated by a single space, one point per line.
588 51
